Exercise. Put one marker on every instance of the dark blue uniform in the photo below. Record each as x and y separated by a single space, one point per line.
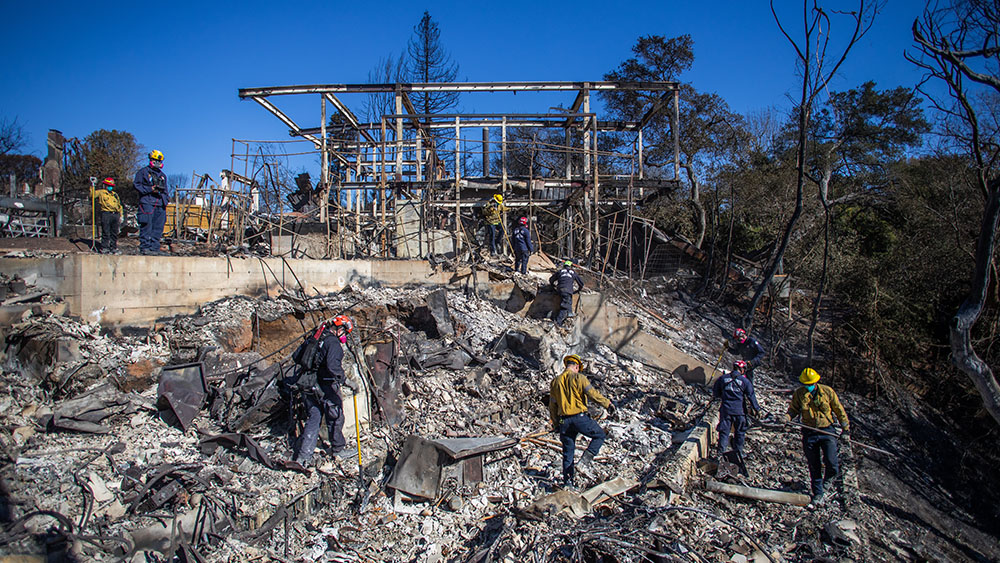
751 352
732 388
565 281
151 183
521 238
325 401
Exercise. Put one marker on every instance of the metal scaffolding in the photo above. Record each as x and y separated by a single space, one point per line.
398 186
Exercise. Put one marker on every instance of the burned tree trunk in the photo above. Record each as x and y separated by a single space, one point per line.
963 355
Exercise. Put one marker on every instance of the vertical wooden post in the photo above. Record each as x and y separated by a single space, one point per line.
422 224
587 210
382 177
597 197
458 194
324 176
486 151
399 134
503 154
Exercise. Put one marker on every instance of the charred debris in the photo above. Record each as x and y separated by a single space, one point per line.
172 443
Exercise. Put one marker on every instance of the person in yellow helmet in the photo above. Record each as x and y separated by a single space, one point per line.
818 405
493 215
110 207
568 396
151 183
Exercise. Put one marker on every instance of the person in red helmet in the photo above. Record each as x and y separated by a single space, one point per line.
748 349
325 399
523 247
110 207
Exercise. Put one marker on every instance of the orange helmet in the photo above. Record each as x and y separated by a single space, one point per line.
344 321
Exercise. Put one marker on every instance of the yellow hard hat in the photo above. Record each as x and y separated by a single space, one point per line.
808 376
156 155
498 198
572 359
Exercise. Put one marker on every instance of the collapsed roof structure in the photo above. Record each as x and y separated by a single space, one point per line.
407 185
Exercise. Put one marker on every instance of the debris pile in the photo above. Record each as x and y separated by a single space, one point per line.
174 441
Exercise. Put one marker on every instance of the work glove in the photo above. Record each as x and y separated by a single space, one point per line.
612 409
350 384
845 436
753 413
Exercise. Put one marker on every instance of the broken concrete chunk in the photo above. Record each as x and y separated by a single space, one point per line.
99 489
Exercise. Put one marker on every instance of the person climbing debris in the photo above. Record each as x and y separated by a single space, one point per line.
523 247
493 215
818 405
568 396
748 349
151 183
318 382
110 207
737 394
566 282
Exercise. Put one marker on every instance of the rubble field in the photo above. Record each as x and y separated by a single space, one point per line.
172 442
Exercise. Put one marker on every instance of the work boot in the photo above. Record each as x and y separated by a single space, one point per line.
818 499
344 454
586 462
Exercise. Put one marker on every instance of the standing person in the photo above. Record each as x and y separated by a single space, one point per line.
748 349
109 205
735 390
818 405
523 246
568 410
325 398
493 215
151 183
567 282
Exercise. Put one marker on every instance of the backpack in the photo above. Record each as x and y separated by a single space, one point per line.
308 357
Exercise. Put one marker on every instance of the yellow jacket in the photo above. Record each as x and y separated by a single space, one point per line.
819 408
568 395
492 211
106 200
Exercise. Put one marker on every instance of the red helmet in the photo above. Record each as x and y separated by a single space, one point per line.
344 321
523 220
740 335
109 181
740 366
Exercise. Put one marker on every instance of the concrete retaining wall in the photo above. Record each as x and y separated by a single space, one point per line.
138 289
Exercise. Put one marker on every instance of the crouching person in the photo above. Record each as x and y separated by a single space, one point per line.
568 410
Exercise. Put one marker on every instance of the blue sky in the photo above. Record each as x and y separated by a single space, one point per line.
169 72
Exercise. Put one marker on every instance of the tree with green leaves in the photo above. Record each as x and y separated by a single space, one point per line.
709 133
854 139
101 154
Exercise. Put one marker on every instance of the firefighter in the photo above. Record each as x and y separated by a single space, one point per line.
566 282
568 396
109 205
748 349
493 215
326 399
151 183
818 405
523 247
737 394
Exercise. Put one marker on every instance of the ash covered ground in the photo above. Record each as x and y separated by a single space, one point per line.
92 472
